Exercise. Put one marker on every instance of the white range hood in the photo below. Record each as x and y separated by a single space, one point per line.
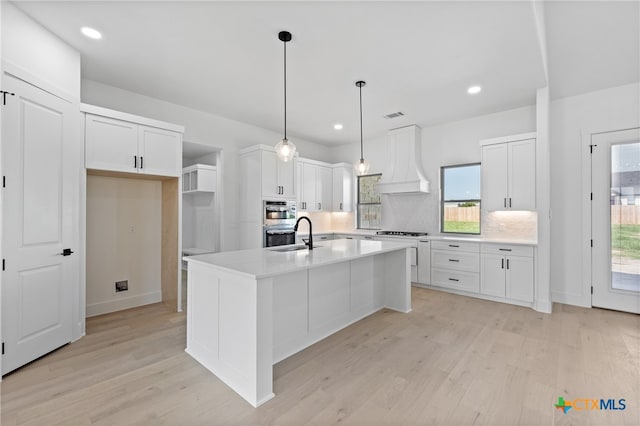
404 174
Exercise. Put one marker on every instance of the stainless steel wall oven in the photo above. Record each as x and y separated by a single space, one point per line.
279 218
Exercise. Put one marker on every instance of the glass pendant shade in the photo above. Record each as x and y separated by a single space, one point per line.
361 167
285 150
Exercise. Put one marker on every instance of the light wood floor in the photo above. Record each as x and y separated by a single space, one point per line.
453 360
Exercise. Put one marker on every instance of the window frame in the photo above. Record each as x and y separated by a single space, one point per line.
443 201
358 203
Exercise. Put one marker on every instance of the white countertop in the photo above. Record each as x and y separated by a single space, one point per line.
443 237
265 262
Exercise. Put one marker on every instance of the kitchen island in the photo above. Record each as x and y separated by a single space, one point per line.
249 309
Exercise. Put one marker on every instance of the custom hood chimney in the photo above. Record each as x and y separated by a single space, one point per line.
404 174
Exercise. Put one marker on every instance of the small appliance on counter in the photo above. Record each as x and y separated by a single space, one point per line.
279 219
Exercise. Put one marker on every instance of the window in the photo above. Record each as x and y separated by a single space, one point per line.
460 202
369 206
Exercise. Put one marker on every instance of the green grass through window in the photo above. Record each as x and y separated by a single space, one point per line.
462 227
625 239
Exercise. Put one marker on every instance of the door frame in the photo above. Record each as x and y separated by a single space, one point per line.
587 219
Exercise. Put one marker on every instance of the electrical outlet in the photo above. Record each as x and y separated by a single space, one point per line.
122 286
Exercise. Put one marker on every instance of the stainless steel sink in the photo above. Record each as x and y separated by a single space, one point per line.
293 248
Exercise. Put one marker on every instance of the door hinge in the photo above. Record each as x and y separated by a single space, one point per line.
4 96
591 148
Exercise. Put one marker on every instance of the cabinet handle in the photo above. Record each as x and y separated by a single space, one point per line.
507 263
141 161
340 206
282 190
135 161
453 245
505 203
319 206
349 238
453 279
368 238
454 260
503 249
502 263
509 202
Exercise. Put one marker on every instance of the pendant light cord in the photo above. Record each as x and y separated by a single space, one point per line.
285 90
361 150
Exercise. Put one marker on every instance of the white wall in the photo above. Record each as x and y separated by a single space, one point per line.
124 242
39 54
207 129
604 110
442 145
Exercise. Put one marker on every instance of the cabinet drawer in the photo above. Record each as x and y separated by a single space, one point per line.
506 249
465 281
459 261
455 246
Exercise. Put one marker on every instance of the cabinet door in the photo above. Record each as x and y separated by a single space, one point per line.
308 188
424 262
324 187
492 275
342 180
270 187
522 175
494 177
111 144
520 278
299 184
287 178
160 152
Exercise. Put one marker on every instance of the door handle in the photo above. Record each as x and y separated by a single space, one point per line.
66 252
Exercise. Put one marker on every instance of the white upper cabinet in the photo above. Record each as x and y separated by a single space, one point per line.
110 144
120 142
160 151
278 177
509 173
316 186
199 178
342 187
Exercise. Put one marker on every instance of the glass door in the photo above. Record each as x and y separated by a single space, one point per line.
616 220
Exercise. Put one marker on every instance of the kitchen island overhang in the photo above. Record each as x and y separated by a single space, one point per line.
249 309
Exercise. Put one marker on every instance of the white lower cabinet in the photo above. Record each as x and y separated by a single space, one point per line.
456 265
507 272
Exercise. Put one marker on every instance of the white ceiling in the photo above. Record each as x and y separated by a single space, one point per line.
416 57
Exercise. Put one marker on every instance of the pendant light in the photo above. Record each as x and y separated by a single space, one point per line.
285 149
362 166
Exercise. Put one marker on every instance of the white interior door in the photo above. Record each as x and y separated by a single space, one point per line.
39 156
615 215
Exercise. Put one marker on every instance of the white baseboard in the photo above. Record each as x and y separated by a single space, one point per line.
121 303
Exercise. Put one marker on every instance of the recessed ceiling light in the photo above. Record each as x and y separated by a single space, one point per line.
91 33
474 90
337 126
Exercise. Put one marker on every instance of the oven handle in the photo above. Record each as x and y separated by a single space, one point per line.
281 232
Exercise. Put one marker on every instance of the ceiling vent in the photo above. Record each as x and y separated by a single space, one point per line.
394 115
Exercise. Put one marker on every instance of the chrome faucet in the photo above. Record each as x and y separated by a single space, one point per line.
295 229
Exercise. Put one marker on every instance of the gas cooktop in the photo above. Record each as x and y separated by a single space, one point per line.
402 233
